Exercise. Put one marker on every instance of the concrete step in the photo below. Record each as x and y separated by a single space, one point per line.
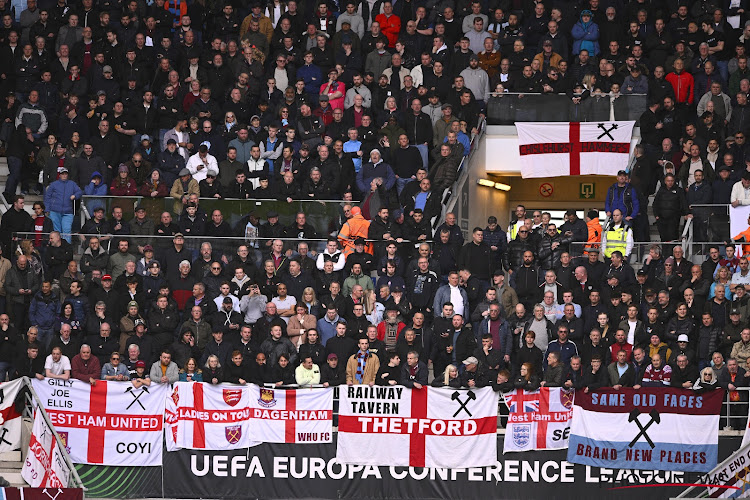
10 456
14 478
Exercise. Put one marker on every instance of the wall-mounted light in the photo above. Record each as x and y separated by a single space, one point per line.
493 184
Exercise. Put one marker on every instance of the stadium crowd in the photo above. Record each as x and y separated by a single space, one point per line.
372 103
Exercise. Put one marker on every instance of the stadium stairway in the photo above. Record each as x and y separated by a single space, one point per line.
30 198
11 462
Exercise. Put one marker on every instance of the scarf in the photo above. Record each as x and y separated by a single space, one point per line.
361 362
391 334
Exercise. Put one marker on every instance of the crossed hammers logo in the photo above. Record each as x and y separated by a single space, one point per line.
2 437
633 417
607 131
456 396
136 397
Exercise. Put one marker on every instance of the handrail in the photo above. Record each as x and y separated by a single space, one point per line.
40 408
495 94
169 198
687 238
451 195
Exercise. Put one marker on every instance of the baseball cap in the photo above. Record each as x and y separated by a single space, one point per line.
171 141
683 338
471 360
271 214
107 69
100 92
447 105
734 311
178 235
184 171
148 248
107 277
138 321
64 170
227 300
359 241
145 137
139 208
332 356
140 364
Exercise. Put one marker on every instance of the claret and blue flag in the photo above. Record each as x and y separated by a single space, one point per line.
648 428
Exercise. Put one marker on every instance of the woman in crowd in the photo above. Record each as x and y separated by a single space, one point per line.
526 379
449 378
190 372
310 346
283 372
123 184
154 187
299 324
212 372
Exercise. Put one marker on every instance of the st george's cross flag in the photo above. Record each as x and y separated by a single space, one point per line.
538 420
428 427
228 417
563 149
45 465
110 423
10 419
291 416
202 416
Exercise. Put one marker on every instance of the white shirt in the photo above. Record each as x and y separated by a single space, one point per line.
59 367
288 303
196 161
457 300
631 332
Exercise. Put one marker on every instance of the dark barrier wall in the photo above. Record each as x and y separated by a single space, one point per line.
276 471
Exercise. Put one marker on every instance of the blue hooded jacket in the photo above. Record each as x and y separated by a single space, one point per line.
586 36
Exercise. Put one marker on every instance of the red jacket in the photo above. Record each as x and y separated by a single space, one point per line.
683 85
127 188
628 348
390 26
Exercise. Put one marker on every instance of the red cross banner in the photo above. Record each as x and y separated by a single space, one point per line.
562 149
10 419
110 423
538 420
45 466
428 427
227 417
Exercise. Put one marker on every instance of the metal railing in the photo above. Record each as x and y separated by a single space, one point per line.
321 214
510 107
453 193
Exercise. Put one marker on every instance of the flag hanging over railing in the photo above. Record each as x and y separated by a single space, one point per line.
562 149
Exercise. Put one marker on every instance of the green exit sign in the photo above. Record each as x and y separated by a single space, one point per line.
586 190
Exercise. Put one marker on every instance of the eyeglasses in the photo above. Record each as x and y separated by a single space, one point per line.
523 232
116 359
216 269
136 161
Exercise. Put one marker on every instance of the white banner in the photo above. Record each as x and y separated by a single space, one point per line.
291 416
428 427
730 478
10 419
227 417
110 423
44 466
562 149
538 420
